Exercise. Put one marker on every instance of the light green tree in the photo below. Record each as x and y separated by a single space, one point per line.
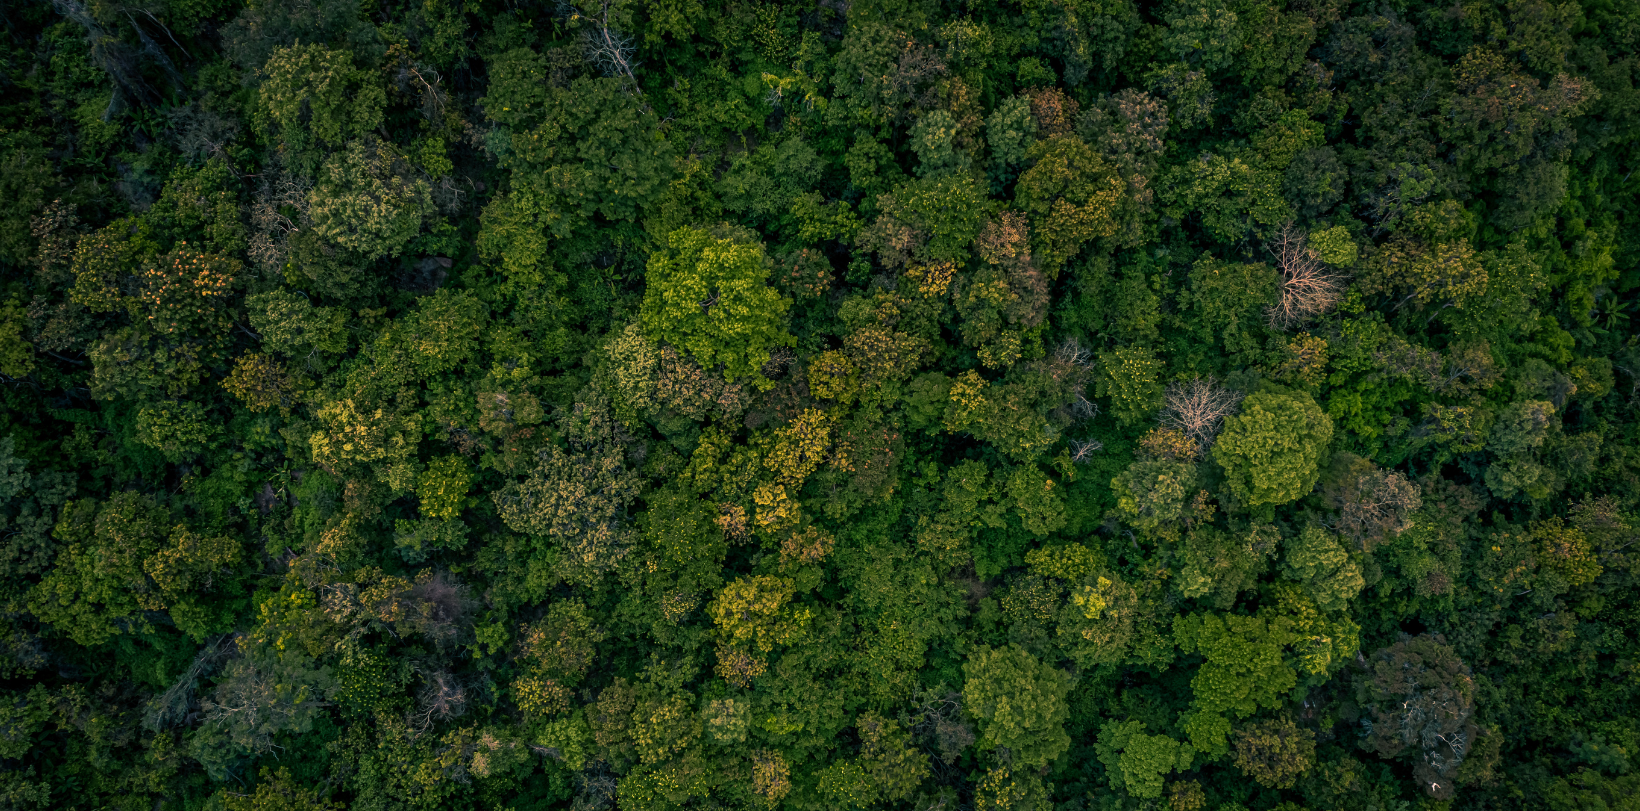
1096 625
1131 377
1271 451
369 199
1246 670
290 325
316 97
708 295
1137 762
1020 703
1317 560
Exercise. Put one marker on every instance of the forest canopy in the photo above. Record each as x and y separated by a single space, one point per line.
1087 405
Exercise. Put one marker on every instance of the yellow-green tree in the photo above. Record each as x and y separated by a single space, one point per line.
708 294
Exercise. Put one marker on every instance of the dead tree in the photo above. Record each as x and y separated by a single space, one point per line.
1309 287
1197 408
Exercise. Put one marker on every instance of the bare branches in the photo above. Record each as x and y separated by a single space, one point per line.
280 192
1073 364
443 697
1197 408
606 47
1309 287
172 706
1083 451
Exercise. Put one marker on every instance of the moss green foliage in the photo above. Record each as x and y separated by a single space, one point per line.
708 295
1271 451
1138 762
1019 702
1203 405
316 97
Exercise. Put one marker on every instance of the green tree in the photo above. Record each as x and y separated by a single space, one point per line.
708 295
317 98
93 591
1274 752
1136 762
1316 559
1019 701
1271 451
1073 195
369 199
290 325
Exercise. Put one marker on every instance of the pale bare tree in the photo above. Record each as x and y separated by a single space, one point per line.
1072 365
1375 504
1197 408
1309 287
1083 451
442 698
612 51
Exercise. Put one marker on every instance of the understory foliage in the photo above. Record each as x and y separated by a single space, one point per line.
1202 405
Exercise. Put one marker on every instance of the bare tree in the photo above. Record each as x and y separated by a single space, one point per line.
1309 287
1375 504
605 46
1083 451
442 698
1197 408
1072 365
1073 353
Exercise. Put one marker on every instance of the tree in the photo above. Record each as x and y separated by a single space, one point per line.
578 501
1310 288
1197 408
1019 702
275 791
1073 195
1270 452
1009 132
261 694
177 430
93 591
290 325
1318 561
1130 377
1421 698
927 221
1218 566
753 616
1097 623
708 295
369 199
261 382
1007 414
1274 752
1373 504
1137 762
443 487
317 98
1152 493
1245 671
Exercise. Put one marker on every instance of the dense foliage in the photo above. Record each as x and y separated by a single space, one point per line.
1203 405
